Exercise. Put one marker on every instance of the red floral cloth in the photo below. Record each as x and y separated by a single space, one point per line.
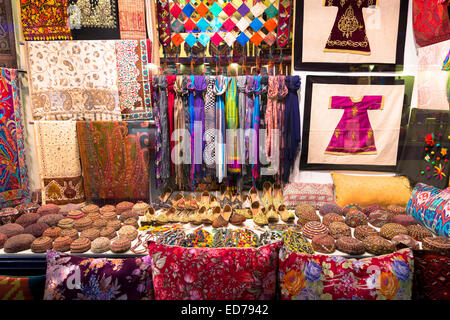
431 22
431 276
214 274
323 277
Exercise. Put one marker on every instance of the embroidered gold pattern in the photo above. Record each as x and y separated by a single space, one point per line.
348 23
345 43
354 110
343 2
359 3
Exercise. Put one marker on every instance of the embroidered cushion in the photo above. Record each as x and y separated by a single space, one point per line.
430 206
367 190
76 278
214 273
314 194
22 288
324 277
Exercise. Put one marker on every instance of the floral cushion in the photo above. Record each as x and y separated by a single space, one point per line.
77 278
214 273
324 277
314 194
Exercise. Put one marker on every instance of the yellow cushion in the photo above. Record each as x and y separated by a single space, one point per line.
369 190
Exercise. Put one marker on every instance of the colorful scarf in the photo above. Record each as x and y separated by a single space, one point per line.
255 127
210 126
232 122
219 90
179 124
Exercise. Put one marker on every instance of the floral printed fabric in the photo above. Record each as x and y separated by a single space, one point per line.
207 274
323 277
76 278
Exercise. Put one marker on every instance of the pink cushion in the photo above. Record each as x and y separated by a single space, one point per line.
219 273
314 194
324 277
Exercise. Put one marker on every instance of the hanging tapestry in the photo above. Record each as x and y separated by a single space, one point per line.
430 22
426 155
132 19
94 19
133 79
354 134
350 35
59 162
45 19
7 42
354 123
73 80
115 159
13 171
432 81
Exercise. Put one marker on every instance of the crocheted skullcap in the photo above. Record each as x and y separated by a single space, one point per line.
404 220
314 228
66 223
356 218
403 241
351 207
28 219
439 244
350 246
51 219
62 244
418 232
8 215
65 209
94 216
52 232
128 232
108 232
368 210
330 208
100 245
18 243
378 245
80 245
90 208
339 229
75 214
140 208
91 233
124 206
109 215
361 232
379 218
332 217
107 208
100 223
82 224
306 213
303 207
115 224
36 229
48 209
11 229
395 209
131 222
27 207
72 233
120 245
390 230
128 214
42 244
323 243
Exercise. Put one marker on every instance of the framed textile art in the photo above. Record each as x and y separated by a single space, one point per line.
59 162
115 159
7 41
344 132
13 171
350 35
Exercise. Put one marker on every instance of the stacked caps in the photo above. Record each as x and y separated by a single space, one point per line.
48 209
306 213
115 224
52 232
91 233
350 207
128 232
99 223
379 218
28 219
390 230
323 243
100 245
11 229
18 243
71 233
332 217
120 245
368 210
82 224
339 229
80 245
350 246
42 244
395 209
356 218
51 219
140 208
62 244
92 212
66 223
36 229
404 220
418 232
330 208
403 241
314 228
75 214
108 232
65 209
439 244
124 206
108 212
362 232
377 245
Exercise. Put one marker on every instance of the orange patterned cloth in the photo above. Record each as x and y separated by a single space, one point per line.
132 19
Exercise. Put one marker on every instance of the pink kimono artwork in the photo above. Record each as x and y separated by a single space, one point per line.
354 134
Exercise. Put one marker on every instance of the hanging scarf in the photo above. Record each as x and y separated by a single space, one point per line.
282 92
187 123
170 110
241 84
292 125
270 116
250 87
219 91
155 91
262 119
164 123
179 124
164 22
232 121
199 114
255 127
210 126
191 89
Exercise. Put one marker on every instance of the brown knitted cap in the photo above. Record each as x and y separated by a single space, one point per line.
131 222
18 243
99 223
314 228
379 218
80 245
72 233
90 208
395 209
418 232
109 215
91 233
356 218
66 223
94 216
404 220
306 213
377 245
332 217
48 209
11 229
302 208
128 214
361 232
107 208
140 208
439 244
350 246
124 206
28 219
115 224
51 219
390 230
323 243
62 244
128 232
100 245
75 214
65 209
52 232
82 224
36 229
108 232
339 229
120 245
42 244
